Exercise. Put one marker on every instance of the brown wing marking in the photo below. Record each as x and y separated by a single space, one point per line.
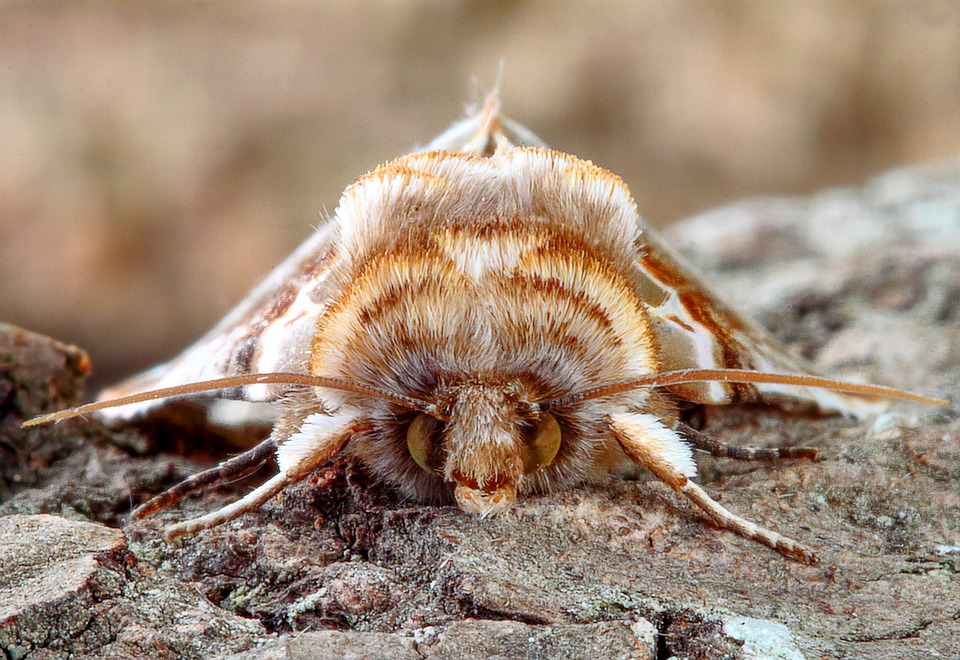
698 330
270 330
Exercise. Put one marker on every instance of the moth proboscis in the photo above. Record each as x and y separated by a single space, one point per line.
481 319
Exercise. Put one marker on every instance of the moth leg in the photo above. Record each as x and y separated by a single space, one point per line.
662 451
238 466
225 514
705 443
302 445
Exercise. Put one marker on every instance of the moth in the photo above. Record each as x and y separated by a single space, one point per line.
482 319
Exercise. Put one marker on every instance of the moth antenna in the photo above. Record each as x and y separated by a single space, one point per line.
668 378
230 383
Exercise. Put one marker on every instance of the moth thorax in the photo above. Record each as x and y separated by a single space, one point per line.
483 439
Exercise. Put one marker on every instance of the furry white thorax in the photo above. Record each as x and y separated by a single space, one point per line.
438 244
536 185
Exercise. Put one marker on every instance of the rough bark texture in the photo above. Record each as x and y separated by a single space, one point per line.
865 282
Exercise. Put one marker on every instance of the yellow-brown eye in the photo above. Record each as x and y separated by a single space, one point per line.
423 437
543 445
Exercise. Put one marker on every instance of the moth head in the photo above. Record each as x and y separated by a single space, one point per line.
490 438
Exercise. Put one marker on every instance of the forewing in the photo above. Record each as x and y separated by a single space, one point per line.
697 330
270 330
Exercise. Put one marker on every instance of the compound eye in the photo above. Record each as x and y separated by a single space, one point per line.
423 443
543 444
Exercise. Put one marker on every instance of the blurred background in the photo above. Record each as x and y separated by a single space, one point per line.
157 159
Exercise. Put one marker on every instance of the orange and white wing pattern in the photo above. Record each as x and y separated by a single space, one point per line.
270 330
697 330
